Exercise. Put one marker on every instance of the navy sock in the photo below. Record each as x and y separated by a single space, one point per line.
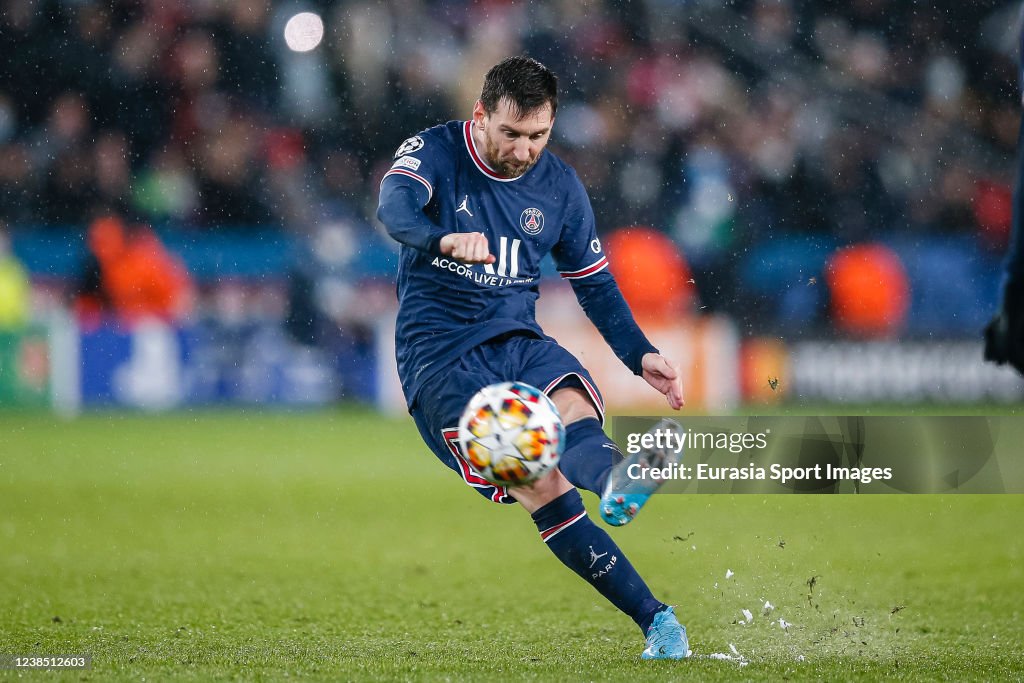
589 455
590 552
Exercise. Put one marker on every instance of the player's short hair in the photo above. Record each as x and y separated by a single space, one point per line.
524 82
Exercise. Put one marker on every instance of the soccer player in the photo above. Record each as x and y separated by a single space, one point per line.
1004 335
476 205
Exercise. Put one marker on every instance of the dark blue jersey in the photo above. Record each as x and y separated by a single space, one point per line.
439 184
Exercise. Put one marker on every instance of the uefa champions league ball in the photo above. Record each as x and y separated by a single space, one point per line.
511 433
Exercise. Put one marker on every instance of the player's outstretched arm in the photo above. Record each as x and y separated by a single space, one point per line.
467 247
663 375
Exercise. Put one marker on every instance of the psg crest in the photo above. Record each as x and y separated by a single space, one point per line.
409 146
531 221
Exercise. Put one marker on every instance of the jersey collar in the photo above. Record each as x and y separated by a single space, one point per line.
478 158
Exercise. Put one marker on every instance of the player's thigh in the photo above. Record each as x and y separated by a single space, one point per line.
444 396
549 367
436 413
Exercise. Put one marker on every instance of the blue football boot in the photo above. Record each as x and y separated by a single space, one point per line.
624 495
666 637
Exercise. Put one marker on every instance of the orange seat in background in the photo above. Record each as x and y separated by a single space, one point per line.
652 274
869 289
139 276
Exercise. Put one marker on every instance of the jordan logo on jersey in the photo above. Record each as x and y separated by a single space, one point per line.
464 206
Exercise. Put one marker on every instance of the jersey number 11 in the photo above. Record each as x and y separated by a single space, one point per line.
506 256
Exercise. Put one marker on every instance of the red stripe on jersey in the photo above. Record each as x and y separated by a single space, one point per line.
450 437
478 160
555 382
549 533
402 171
595 267
595 397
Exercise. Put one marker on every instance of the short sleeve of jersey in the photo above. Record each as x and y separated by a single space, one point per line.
419 162
579 253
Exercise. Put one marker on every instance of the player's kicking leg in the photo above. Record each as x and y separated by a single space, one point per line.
592 461
557 510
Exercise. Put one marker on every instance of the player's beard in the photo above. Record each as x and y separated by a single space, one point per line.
510 168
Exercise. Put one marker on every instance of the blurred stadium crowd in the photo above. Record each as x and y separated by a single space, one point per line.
764 137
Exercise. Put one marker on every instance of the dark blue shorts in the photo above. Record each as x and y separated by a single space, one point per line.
442 398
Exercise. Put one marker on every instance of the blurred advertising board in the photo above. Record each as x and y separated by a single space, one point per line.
24 368
156 366
876 371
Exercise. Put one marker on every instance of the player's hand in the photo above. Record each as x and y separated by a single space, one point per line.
663 375
1004 335
467 247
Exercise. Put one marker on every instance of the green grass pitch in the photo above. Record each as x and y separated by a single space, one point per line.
332 546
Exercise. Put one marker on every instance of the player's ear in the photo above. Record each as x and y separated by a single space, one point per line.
479 113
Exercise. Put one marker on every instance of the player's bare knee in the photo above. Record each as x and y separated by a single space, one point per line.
541 492
573 404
